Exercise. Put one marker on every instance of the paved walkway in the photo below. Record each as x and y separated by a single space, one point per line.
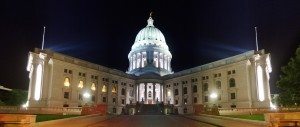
150 121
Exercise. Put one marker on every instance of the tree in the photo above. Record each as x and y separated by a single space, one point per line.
16 97
289 82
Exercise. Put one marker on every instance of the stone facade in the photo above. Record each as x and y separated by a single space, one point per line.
58 80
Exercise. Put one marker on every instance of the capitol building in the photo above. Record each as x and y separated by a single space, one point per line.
58 80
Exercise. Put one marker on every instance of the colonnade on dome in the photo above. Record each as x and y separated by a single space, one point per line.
158 60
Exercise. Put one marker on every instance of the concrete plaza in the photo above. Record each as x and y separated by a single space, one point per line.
150 121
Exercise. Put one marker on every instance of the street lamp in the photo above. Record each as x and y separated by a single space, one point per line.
86 95
213 95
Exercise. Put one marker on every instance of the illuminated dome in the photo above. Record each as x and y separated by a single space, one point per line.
150 52
150 35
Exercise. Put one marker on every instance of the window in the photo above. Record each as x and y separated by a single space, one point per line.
131 93
232 95
205 98
218 84
184 90
70 71
114 110
80 85
79 73
205 87
93 98
185 110
149 94
206 77
123 91
93 87
103 99
195 89
114 100
104 88
233 71
66 95
66 70
215 75
80 97
114 89
123 101
195 99
176 102
232 82
219 74
67 82
229 72
176 92
203 78
185 100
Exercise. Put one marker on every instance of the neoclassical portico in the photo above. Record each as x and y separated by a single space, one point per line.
149 93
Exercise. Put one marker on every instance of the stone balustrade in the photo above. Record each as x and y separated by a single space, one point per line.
283 119
241 111
17 120
40 110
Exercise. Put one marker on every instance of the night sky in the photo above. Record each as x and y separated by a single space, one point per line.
102 32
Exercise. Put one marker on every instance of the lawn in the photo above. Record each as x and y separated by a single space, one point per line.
47 117
259 117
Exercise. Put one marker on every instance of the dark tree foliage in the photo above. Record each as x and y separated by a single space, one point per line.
289 82
16 97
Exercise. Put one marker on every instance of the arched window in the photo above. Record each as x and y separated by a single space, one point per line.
67 82
232 82
184 90
114 89
123 91
104 88
80 85
205 87
93 87
195 88
218 84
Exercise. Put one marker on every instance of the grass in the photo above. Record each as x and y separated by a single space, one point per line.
259 117
47 117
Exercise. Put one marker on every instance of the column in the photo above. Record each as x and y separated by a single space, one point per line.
168 63
141 59
136 60
161 92
32 81
130 63
158 59
145 93
154 99
137 93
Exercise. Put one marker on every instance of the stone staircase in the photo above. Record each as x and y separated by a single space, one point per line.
150 109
